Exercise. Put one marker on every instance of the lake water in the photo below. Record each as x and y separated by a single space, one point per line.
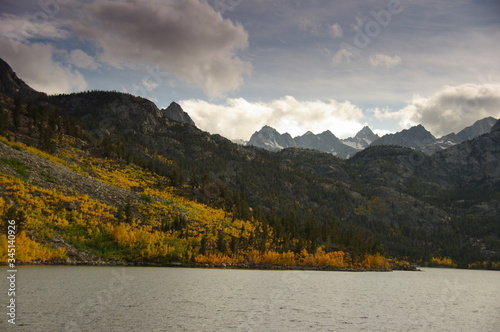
80 298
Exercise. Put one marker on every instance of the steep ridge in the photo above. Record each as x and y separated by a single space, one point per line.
175 112
415 137
12 86
270 139
479 128
362 139
475 161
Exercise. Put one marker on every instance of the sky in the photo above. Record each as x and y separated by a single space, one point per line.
296 65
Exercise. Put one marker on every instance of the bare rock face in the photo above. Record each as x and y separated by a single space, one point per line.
496 127
362 140
12 86
270 139
175 112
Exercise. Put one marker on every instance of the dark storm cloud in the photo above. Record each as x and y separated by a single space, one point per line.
187 38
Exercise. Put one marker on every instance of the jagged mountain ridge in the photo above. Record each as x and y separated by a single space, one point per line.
416 137
479 128
405 200
362 139
270 139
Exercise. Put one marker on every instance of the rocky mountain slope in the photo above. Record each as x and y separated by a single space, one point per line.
270 139
362 140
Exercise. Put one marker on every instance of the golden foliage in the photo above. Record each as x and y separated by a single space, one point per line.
442 261
28 250
169 227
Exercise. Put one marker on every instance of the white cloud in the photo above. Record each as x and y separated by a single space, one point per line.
25 28
308 25
382 60
239 118
82 60
336 31
35 65
347 53
187 38
449 110
382 132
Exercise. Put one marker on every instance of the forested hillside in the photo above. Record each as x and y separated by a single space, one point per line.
106 177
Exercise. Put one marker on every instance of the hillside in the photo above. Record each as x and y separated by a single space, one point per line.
134 185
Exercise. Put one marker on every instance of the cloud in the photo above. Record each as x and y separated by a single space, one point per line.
346 53
336 31
187 38
82 60
239 118
28 27
449 110
34 64
382 60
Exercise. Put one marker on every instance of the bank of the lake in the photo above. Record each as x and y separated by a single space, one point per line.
104 298
243 266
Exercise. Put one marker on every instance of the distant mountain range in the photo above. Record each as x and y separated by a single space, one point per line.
270 139
416 137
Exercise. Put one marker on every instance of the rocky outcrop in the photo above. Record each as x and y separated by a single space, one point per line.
362 140
175 112
270 139
12 86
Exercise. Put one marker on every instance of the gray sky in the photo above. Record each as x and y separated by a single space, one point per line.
236 65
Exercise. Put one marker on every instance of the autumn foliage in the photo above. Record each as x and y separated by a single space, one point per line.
156 225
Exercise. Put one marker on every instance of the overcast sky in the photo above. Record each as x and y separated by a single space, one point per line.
296 65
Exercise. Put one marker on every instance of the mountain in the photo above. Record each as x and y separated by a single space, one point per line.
270 139
362 140
496 127
107 175
13 86
474 161
175 112
415 137
479 128
325 142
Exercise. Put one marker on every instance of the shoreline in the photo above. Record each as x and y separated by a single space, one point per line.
213 266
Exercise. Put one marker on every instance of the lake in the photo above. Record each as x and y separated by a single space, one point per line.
83 298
